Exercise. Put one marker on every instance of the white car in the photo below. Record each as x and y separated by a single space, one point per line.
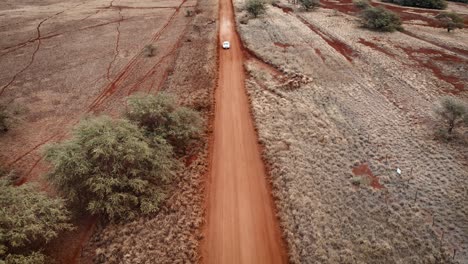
226 45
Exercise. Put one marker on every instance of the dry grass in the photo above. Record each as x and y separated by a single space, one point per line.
372 107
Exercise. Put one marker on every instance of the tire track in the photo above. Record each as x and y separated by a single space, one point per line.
112 87
20 157
153 69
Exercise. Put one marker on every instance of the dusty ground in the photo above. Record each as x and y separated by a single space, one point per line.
336 104
62 60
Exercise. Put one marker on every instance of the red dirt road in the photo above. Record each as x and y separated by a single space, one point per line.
241 222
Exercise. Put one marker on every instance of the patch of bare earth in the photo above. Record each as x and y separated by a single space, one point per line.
64 60
345 108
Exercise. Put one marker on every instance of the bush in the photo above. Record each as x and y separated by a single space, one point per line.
461 1
28 219
160 116
362 4
380 19
433 4
3 121
149 50
451 112
450 21
309 4
110 168
255 7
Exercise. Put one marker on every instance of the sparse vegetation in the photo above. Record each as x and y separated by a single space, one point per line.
450 21
362 4
3 121
160 116
28 219
452 113
149 50
380 19
309 4
434 4
109 168
255 7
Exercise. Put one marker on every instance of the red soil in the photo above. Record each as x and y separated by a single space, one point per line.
284 8
429 61
345 6
364 170
460 51
318 52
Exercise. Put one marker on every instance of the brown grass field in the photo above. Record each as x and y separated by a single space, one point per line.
336 104
63 60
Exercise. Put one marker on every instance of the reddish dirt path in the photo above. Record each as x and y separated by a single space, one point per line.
241 222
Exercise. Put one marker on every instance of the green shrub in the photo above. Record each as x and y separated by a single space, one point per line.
309 4
149 50
110 168
451 113
160 116
380 19
255 7
450 21
460 1
362 4
28 219
433 4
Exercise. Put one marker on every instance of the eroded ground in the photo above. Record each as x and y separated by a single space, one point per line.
335 104
63 60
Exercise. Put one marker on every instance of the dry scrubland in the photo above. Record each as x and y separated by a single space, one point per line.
64 60
173 236
347 98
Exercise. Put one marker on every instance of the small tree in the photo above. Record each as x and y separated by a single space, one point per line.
255 7
452 112
160 116
309 4
110 168
28 219
450 21
380 19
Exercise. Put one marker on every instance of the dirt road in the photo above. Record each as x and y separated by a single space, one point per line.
241 227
